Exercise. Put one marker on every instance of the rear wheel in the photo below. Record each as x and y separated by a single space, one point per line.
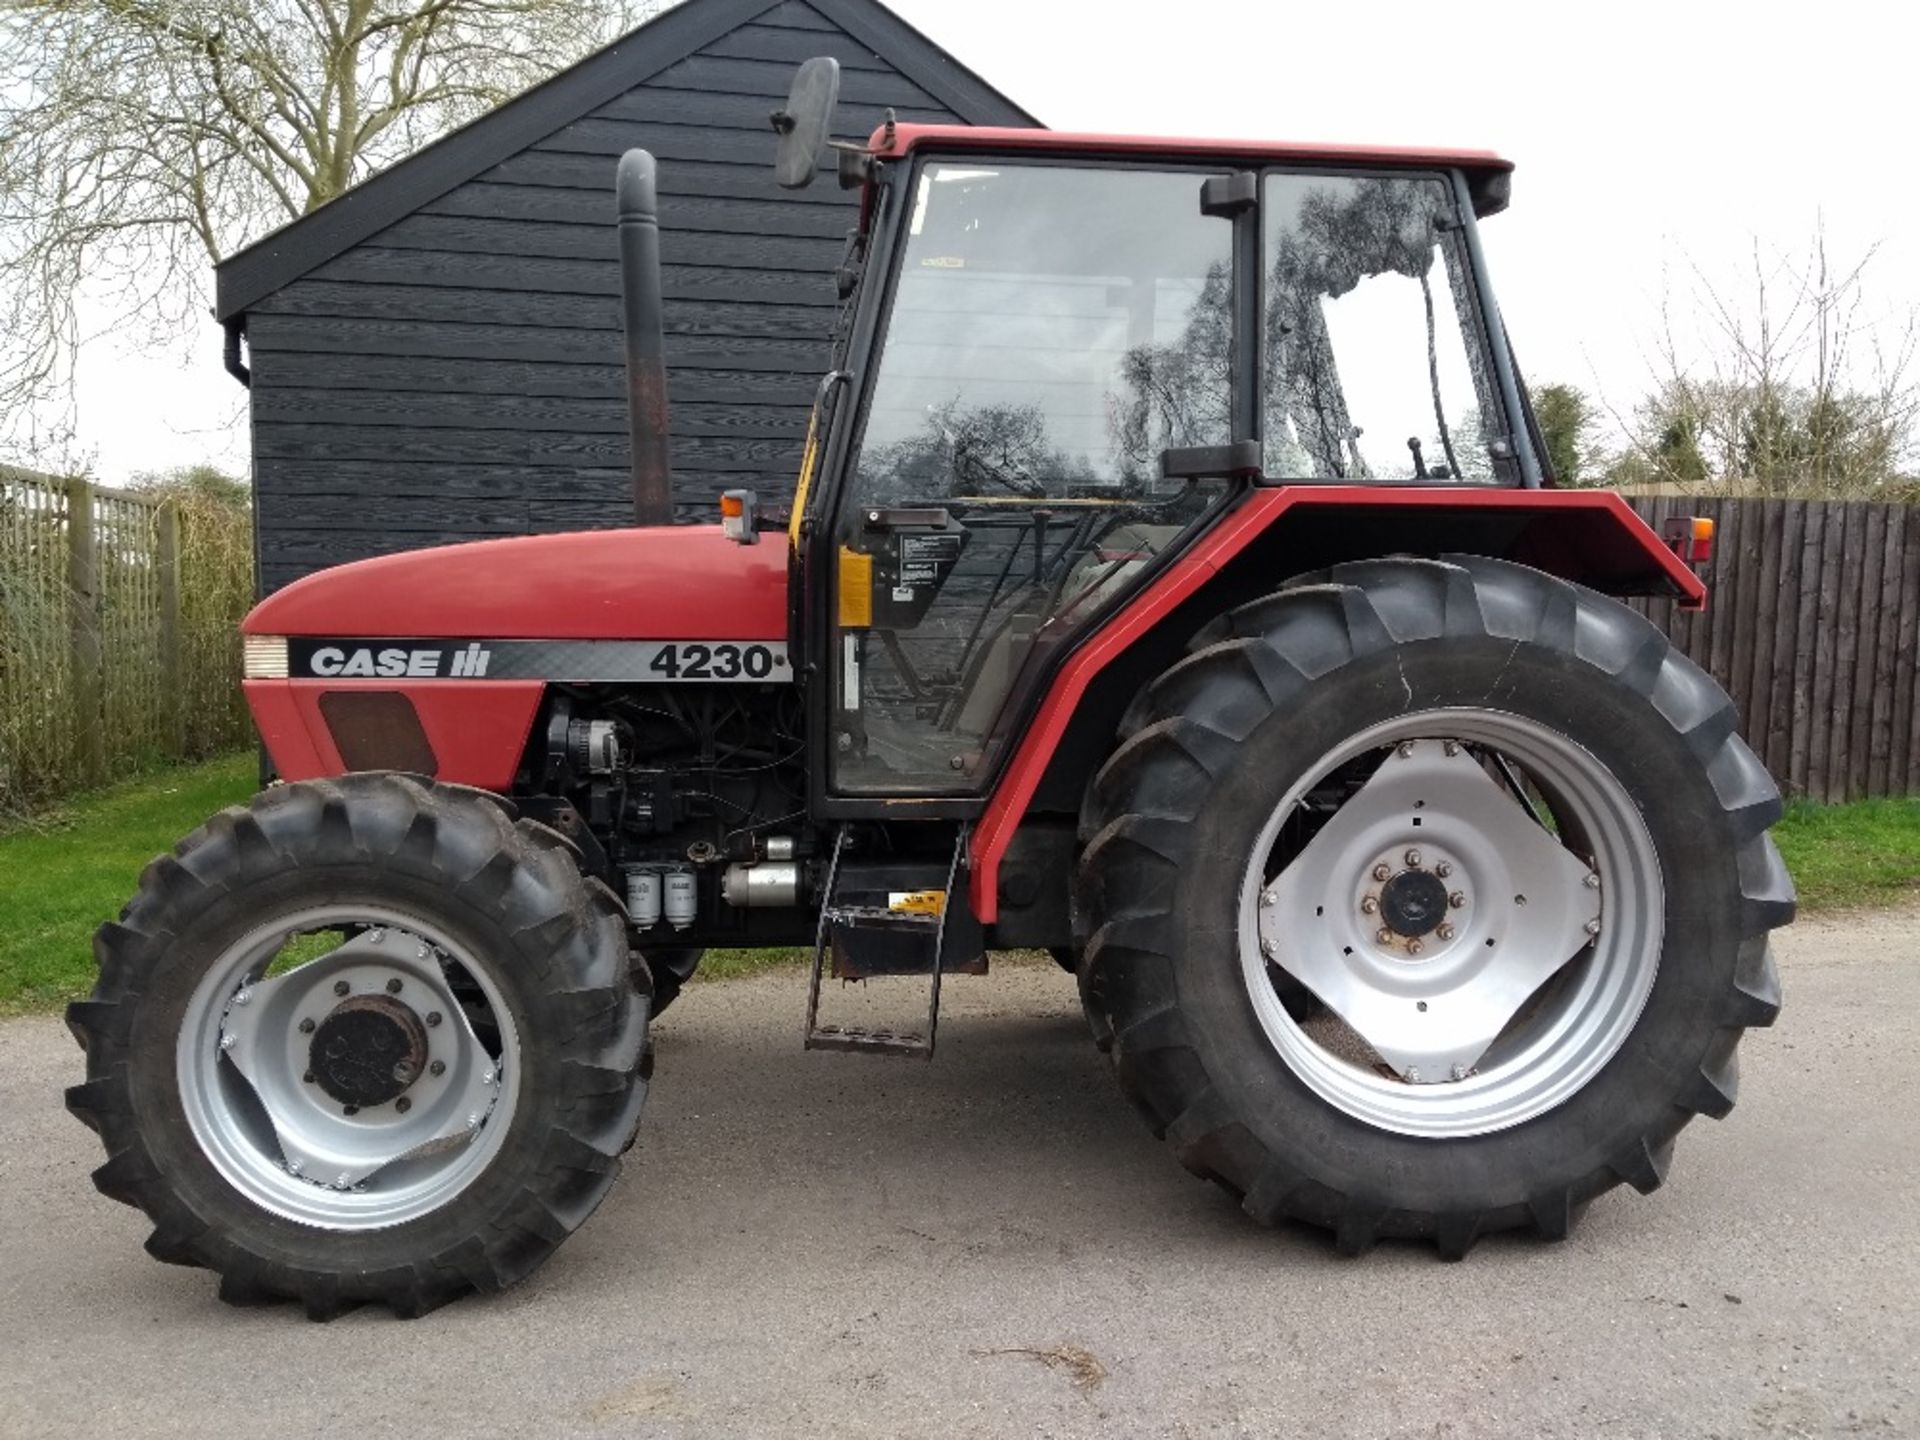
363 1040
1430 899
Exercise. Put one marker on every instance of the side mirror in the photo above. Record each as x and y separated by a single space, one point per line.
803 125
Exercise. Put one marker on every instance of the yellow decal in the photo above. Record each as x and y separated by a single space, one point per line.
918 902
809 457
856 589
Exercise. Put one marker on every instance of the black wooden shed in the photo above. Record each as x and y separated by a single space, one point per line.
436 354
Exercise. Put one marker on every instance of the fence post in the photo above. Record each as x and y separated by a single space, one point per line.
166 525
89 720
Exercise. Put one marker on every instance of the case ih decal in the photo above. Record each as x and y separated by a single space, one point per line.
631 661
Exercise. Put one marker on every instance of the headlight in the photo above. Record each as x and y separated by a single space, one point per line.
264 657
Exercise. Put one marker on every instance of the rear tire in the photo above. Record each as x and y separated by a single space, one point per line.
1270 691
533 955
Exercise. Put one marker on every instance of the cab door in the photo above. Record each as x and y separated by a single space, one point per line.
1051 330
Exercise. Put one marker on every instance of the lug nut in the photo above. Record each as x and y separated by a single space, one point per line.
1445 932
1267 898
437 1067
1457 899
1443 869
1414 947
1413 859
1593 927
306 1027
403 1104
433 1017
307 1078
1369 905
1406 749
1267 948
351 1110
376 937
393 986
226 1042
1460 1072
1383 872
1413 1074
243 997
1592 882
1385 936
341 987
1452 748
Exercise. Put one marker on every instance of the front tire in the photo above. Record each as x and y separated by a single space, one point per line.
363 1040
1292 709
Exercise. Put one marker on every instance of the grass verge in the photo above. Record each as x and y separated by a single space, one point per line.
65 872
1846 857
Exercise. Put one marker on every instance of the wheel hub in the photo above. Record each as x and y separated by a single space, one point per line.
1413 903
368 1051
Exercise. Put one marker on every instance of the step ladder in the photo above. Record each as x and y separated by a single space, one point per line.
910 939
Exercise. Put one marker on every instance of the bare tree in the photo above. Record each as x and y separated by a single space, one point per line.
1798 385
142 139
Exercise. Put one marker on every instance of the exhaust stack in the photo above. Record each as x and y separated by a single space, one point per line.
639 218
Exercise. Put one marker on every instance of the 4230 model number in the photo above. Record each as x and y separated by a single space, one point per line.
717 660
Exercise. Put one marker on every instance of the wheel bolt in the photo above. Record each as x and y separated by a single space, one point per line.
437 1067
1457 899
1445 932
1593 927
1413 859
1267 948
1406 749
393 986
433 1017
1382 872
1369 905
341 987
1414 947
306 1027
1443 869
1267 898
1385 936
403 1104
1592 882
1452 748
1413 1074
1460 1072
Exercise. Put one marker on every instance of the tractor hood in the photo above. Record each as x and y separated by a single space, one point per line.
671 583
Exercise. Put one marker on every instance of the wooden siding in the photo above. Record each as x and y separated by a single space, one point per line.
458 374
1811 627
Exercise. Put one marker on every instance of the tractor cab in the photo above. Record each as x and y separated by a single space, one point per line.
1068 356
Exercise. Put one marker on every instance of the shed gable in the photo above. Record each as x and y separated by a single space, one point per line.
458 373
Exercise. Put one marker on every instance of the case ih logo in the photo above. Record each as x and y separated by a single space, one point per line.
393 662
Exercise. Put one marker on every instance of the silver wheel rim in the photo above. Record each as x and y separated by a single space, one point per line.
291 1148
1552 940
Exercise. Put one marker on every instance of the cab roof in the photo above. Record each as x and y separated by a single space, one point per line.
903 139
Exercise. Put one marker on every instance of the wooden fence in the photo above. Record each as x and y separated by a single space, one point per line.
119 643
1811 627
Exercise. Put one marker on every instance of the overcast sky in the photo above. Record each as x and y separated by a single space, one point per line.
1649 138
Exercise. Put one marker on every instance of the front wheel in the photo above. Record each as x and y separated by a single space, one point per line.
364 1039
1430 899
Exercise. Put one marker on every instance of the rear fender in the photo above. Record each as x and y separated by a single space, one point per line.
1592 537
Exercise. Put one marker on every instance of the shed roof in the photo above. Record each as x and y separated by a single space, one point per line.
284 255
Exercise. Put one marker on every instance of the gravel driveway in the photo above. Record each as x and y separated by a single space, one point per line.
993 1245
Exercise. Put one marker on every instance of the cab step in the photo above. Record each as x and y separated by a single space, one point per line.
890 918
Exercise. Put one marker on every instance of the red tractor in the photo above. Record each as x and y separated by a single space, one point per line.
1174 583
